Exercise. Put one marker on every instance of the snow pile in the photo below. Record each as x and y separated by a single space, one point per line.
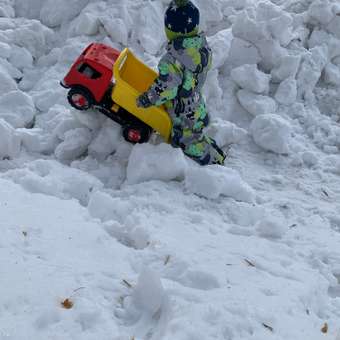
214 181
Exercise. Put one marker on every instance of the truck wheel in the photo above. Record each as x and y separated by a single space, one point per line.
80 99
137 133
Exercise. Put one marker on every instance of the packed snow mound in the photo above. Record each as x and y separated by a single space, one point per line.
272 133
215 181
155 162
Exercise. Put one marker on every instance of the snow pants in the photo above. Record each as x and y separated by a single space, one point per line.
187 133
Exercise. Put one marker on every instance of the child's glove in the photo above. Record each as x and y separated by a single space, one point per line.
143 101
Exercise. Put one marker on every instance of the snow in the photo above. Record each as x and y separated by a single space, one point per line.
256 104
250 78
10 141
213 181
271 132
164 163
17 108
287 92
143 241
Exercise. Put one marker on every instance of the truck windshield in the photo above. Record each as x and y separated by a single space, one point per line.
88 71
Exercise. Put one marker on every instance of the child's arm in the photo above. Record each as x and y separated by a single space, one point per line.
165 86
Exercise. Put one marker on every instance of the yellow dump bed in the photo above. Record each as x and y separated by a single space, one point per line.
132 78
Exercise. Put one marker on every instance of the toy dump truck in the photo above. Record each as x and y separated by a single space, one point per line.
110 81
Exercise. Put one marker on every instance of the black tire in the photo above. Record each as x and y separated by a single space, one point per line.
137 133
80 98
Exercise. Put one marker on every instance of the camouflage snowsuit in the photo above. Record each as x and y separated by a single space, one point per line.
182 74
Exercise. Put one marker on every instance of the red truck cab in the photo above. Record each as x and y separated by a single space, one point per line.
90 76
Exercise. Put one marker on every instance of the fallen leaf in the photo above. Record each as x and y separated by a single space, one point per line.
67 304
129 285
324 329
167 259
268 327
325 192
250 264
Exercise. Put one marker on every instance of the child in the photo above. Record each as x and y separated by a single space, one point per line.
182 74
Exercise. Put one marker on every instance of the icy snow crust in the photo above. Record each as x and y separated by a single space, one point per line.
145 243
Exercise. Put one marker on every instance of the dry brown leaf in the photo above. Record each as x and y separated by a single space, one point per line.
324 329
250 264
128 284
268 327
67 304
167 259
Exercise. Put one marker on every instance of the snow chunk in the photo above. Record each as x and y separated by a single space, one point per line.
106 208
7 84
20 57
271 52
75 144
150 19
54 13
287 92
17 108
243 52
249 29
288 67
332 74
250 78
310 158
148 294
37 140
34 36
6 11
10 69
66 125
256 104
155 162
116 29
220 45
271 132
270 229
310 71
281 28
106 141
5 50
226 133
320 11
28 9
213 181
334 26
9 141
85 24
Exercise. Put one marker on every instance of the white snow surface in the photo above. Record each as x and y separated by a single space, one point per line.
146 244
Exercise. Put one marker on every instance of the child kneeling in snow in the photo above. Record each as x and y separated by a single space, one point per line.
182 74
